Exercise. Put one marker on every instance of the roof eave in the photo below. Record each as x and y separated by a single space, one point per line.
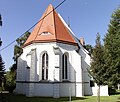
48 41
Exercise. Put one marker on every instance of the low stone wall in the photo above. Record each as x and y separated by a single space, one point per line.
48 89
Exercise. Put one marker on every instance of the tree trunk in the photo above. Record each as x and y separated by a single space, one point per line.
98 94
118 86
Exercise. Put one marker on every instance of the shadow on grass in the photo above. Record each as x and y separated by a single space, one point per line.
21 98
117 92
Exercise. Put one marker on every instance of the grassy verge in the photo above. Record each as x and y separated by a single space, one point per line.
21 98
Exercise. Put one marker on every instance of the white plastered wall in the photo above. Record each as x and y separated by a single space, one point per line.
49 47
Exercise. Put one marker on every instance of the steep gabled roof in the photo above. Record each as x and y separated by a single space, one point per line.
50 28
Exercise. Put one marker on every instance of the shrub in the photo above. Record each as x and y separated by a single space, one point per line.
111 90
10 82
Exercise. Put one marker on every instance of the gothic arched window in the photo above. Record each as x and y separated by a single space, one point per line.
64 67
45 66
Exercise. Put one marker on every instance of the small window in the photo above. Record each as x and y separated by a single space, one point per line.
45 33
45 66
64 67
92 84
28 61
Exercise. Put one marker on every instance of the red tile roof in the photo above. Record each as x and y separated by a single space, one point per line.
50 28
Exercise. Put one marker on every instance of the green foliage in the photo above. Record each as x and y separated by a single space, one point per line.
105 66
10 81
2 70
14 67
89 48
20 41
18 48
17 52
111 90
112 50
2 66
11 76
97 64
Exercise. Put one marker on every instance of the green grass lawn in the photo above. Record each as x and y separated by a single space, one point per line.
21 98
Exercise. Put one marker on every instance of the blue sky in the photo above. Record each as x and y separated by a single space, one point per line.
87 17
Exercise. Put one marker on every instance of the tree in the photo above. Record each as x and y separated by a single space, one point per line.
89 48
11 75
97 64
10 81
2 71
18 48
2 66
112 50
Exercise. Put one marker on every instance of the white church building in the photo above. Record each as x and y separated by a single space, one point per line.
54 63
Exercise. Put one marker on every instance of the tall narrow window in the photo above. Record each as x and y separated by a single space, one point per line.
64 66
45 66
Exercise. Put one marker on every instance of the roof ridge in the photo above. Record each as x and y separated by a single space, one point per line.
51 29
55 25
42 19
